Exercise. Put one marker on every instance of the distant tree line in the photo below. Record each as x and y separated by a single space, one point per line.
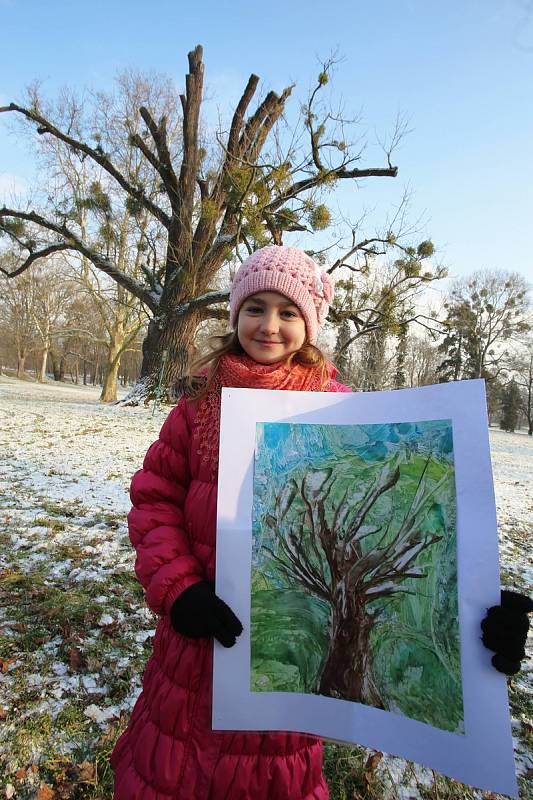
51 328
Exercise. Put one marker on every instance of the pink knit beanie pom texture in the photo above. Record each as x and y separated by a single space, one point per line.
288 271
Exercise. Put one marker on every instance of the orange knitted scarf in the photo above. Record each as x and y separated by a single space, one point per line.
243 372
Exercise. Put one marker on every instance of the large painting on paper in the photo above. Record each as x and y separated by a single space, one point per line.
354 566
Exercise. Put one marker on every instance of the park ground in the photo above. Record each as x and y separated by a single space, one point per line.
74 628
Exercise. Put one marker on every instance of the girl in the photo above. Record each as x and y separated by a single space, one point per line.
278 301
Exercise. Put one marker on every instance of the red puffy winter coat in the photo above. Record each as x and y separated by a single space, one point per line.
169 750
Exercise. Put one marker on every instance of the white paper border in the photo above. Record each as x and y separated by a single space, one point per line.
483 757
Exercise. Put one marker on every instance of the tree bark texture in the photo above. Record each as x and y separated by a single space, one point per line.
176 339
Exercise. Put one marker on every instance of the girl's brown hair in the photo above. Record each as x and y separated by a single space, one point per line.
228 344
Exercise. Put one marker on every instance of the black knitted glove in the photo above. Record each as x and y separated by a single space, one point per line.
199 614
505 631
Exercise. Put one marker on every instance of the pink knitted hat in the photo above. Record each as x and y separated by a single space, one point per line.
291 272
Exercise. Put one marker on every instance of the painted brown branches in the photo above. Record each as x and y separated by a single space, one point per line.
321 547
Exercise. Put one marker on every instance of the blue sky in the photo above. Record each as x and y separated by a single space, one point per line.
461 73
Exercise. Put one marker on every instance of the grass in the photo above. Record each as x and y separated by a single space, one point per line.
49 748
63 751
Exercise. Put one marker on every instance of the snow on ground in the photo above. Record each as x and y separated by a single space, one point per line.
65 467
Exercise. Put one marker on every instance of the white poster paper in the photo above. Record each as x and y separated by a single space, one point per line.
425 453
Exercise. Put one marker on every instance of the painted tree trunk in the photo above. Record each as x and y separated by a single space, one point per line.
347 673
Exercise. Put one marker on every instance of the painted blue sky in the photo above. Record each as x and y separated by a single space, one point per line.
460 72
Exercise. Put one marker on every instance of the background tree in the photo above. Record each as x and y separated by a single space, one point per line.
80 190
522 370
483 312
400 378
494 388
212 202
17 314
53 294
510 407
421 360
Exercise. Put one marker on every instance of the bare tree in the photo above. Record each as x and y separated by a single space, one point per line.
104 215
211 203
421 360
53 294
17 314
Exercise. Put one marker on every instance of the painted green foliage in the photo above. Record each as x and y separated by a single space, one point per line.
354 580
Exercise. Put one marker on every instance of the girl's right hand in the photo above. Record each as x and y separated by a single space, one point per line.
199 614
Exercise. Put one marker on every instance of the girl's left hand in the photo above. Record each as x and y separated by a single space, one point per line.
505 631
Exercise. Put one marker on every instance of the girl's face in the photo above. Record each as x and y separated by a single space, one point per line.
270 327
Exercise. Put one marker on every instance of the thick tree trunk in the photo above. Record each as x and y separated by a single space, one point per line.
176 339
347 673
21 361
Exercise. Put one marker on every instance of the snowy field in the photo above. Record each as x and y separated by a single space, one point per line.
74 630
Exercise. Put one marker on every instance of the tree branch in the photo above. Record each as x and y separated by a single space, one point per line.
45 126
200 302
73 242
159 135
34 256
309 183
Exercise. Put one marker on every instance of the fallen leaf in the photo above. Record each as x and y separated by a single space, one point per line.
45 793
20 774
19 627
373 760
370 766
75 658
51 612
7 663
87 772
